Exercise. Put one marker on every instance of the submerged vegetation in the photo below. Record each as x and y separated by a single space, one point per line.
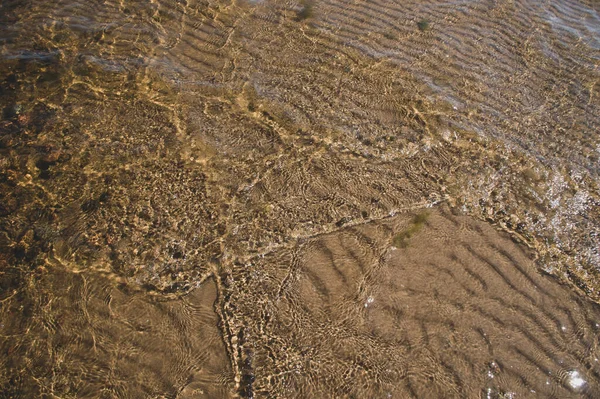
424 25
401 239
306 11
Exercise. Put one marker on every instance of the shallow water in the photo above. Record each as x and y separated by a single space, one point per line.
458 310
315 199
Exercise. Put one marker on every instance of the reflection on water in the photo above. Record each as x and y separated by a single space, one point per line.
211 199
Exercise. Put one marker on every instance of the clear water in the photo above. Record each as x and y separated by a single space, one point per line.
314 199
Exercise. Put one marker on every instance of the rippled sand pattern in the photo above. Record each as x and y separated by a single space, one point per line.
87 338
460 311
299 199
490 105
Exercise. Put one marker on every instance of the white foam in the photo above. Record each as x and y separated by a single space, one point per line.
575 380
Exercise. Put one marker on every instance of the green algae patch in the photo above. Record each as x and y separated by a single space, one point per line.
306 12
424 25
401 240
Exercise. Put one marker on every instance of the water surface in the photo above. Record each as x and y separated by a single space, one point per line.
314 199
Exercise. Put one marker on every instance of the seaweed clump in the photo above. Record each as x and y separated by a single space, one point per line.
401 240
424 25
306 12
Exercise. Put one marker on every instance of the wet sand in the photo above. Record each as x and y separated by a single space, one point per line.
314 199
459 310
83 336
